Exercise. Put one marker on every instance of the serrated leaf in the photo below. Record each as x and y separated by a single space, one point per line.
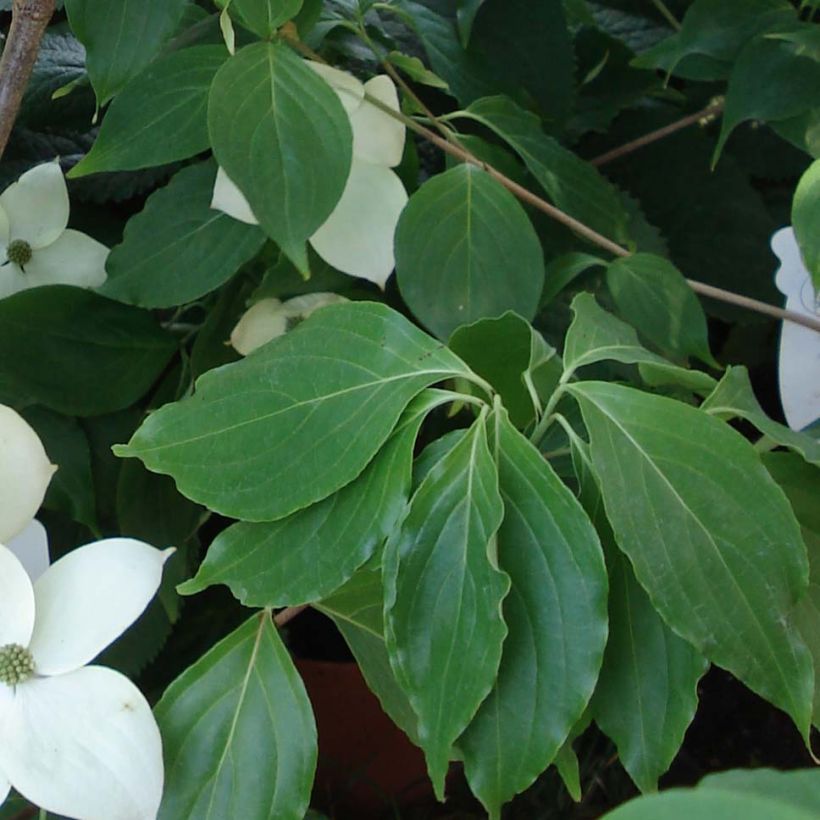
556 617
465 249
113 59
109 354
357 610
313 552
652 295
178 248
734 397
240 710
263 17
443 594
596 336
647 694
159 117
806 220
342 379
572 184
711 537
285 141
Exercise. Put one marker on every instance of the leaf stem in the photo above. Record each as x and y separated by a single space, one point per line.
28 23
703 116
557 214
287 615
667 14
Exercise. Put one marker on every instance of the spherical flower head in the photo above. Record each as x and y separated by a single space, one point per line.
357 237
36 245
77 740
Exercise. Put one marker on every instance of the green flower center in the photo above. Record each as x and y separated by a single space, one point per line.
16 664
19 252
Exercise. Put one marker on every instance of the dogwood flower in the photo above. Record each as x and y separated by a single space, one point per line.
799 365
36 247
270 318
357 238
77 740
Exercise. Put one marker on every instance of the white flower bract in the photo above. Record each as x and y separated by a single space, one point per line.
357 237
36 246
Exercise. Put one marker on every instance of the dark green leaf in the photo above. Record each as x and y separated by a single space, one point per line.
573 185
652 295
806 220
465 249
311 553
443 594
711 537
562 270
342 379
556 617
121 37
178 248
466 11
109 354
734 398
239 711
285 141
159 117
263 17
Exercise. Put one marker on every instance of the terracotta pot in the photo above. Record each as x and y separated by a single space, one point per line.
367 765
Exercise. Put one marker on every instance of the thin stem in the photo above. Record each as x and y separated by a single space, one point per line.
560 216
286 615
667 14
706 114
28 23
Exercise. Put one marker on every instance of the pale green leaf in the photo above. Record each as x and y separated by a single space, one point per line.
443 594
734 397
711 537
465 250
556 617
281 134
806 220
299 418
240 710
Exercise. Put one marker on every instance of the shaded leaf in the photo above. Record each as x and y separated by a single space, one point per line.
263 17
806 220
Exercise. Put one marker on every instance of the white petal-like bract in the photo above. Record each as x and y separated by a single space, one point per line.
5 788
31 548
90 597
16 602
349 90
37 205
378 137
230 200
25 473
73 259
83 745
259 324
357 237
799 365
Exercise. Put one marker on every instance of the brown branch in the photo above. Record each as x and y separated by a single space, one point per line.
286 615
705 115
28 23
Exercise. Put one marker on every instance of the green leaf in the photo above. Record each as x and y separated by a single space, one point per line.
416 70
357 610
806 220
109 354
311 553
285 141
159 117
71 489
342 379
652 295
465 249
263 17
572 184
240 710
799 788
769 82
563 270
596 336
466 11
801 483
443 594
710 536
122 38
511 356
178 248
734 398
556 617
647 694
